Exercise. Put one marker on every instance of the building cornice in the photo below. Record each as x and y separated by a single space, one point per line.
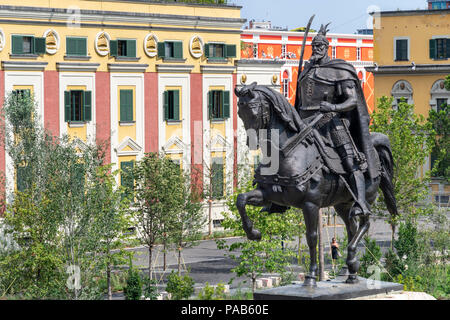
54 15
217 69
127 67
174 68
77 66
412 12
23 65
410 69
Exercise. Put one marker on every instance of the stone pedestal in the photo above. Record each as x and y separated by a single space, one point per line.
335 289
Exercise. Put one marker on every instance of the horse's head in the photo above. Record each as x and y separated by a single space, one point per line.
252 110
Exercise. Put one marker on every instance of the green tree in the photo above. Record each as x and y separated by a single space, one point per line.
159 194
112 219
440 122
411 139
267 255
52 214
187 224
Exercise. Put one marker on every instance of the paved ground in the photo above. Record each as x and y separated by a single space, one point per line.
209 264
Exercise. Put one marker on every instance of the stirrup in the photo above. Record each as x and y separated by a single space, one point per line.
359 210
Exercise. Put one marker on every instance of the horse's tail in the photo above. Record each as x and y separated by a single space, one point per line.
382 145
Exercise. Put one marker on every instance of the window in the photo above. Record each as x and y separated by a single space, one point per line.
76 46
440 103
22 93
170 49
27 45
215 50
217 178
439 5
22 178
77 105
333 52
123 48
220 51
358 54
219 104
126 177
126 105
217 223
440 49
172 105
401 50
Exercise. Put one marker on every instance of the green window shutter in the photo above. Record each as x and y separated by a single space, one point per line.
210 104
226 104
178 50
230 51
161 50
82 47
131 48
16 44
176 105
448 48
401 50
87 95
433 49
126 105
113 48
166 105
67 106
71 46
207 50
217 178
126 176
39 45
21 178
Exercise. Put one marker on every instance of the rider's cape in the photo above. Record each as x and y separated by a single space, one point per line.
359 117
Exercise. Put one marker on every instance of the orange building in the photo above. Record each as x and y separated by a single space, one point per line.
285 46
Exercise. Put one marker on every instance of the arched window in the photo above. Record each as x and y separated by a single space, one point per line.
402 89
439 95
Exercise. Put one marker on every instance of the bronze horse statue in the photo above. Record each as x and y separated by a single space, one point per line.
304 176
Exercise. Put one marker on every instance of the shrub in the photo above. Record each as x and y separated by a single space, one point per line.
133 290
371 257
211 293
150 289
180 287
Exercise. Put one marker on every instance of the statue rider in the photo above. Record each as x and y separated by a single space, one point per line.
332 87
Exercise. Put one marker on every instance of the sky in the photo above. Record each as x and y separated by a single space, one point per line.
346 16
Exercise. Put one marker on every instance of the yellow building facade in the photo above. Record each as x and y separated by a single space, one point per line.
411 61
145 76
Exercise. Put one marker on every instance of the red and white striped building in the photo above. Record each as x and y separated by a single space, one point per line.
285 47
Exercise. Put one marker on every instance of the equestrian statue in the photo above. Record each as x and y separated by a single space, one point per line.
321 149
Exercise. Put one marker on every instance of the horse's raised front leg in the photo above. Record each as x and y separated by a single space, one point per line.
255 198
311 214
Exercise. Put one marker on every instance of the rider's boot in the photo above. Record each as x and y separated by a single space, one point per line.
358 184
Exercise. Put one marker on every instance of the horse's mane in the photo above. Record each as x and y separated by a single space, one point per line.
283 108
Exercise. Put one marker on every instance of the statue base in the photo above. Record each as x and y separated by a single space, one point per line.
335 289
